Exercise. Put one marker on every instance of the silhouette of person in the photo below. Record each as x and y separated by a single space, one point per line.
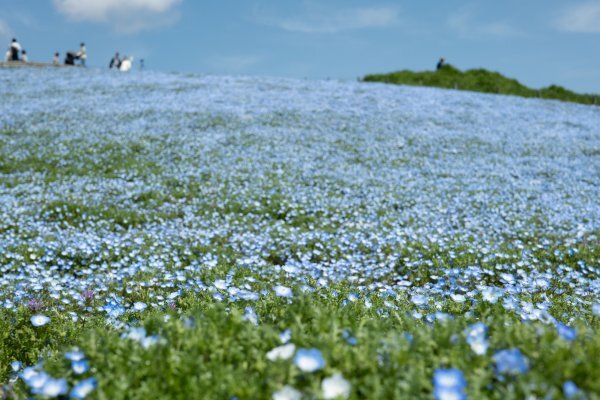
440 64
15 49
115 61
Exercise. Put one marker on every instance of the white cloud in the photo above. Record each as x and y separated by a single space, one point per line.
324 21
581 18
125 16
465 22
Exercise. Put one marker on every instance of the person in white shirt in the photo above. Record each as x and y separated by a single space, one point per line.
82 54
56 59
24 56
126 64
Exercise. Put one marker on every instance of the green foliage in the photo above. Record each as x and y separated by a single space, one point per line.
207 350
480 80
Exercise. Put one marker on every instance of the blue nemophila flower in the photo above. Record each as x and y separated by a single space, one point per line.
476 335
348 337
285 336
39 320
134 333
52 388
34 379
250 315
139 306
283 291
596 309
570 389
150 341
16 366
284 352
83 388
309 360
287 393
566 332
449 384
80 366
491 294
75 355
511 361
419 300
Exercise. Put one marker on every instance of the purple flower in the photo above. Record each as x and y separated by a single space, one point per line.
88 295
35 305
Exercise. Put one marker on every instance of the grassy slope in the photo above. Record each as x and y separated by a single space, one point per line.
480 80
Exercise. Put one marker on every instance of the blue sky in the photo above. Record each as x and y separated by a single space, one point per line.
539 42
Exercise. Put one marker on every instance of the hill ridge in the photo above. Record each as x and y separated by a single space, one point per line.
480 80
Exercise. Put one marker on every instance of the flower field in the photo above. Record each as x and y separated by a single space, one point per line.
208 237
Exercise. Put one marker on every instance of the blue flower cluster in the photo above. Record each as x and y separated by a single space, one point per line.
120 205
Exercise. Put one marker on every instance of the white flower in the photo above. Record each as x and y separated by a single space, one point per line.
39 320
287 393
335 387
283 291
284 352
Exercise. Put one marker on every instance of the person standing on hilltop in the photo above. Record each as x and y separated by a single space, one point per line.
15 49
115 61
24 58
82 54
56 59
440 64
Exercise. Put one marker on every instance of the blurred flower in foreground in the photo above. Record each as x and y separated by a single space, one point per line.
75 355
285 336
335 387
287 393
570 390
476 338
53 388
449 384
80 367
83 388
566 332
282 352
510 361
309 360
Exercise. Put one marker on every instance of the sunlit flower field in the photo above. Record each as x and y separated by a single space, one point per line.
210 237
